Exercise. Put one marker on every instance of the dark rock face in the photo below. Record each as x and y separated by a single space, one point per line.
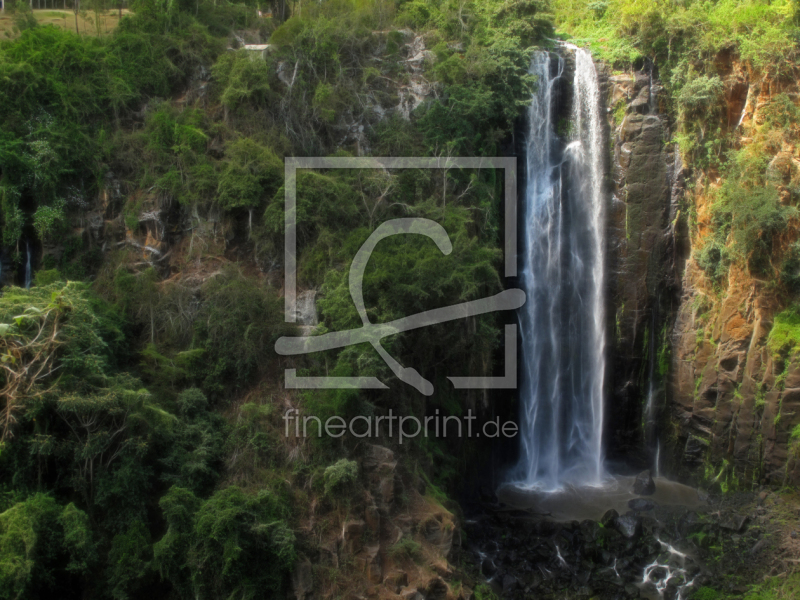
640 266
644 485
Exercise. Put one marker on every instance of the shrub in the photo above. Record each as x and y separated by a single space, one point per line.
701 95
406 548
785 332
47 277
340 476
751 218
237 324
129 559
714 258
252 174
29 543
706 593
241 545
243 80
195 444
231 545
790 269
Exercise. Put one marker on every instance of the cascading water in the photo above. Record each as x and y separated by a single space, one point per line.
28 265
650 429
562 273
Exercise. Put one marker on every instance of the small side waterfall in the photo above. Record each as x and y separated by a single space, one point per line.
27 265
652 442
563 338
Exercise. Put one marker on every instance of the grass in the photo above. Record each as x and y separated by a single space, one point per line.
65 19
785 333
776 588
407 548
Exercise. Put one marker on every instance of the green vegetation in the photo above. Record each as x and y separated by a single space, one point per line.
620 31
406 548
142 450
94 438
484 592
785 333
706 593
776 588
340 476
691 45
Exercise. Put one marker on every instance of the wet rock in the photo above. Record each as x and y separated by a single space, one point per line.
396 580
695 449
644 485
352 536
329 555
373 569
688 523
640 105
436 589
373 519
307 308
411 594
609 517
488 568
303 579
442 568
632 590
510 583
439 534
733 522
379 466
640 504
629 526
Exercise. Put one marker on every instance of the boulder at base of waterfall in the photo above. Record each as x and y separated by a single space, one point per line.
640 504
644 485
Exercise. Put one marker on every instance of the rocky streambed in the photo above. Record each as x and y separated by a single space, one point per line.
650 550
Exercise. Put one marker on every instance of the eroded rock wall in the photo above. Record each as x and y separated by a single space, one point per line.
733 401
641 256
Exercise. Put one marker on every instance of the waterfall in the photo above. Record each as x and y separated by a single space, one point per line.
650 413
561 392
28 265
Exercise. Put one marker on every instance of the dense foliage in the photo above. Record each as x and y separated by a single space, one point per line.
140 452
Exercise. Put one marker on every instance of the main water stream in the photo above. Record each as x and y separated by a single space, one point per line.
560 494
563 340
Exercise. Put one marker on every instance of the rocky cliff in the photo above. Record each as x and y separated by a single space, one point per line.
692 373
644 182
